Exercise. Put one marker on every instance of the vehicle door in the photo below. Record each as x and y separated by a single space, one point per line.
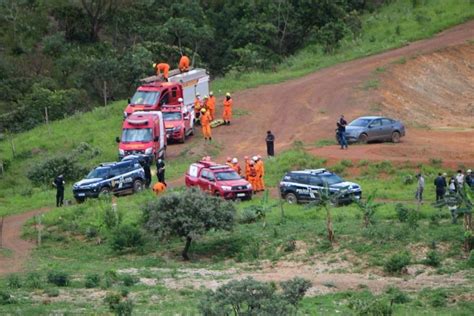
192 177
374 130
316 185
165 98
174 96
207 180
116 183
387 128
126 176
302 189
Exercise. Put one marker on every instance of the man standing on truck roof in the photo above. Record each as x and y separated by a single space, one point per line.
206 124
59 185
211 105
162 68
160 170
184 63
227 115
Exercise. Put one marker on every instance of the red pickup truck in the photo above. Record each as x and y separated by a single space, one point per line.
218 180
178 122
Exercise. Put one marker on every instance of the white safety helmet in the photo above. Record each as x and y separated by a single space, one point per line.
227 94
254 158
197 94
180 100
211 93
234 160
469 170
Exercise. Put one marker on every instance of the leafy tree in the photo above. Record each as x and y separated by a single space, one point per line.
188 214
251 297
368 208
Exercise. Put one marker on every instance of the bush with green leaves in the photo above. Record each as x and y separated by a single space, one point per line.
34 281
127 237
59 278
52 292
6 298
14 281
251 297
290 244
370 306
129 280
470 259
397 296
188 214
402 212
432 259
247 216
119 304
92 280
397 262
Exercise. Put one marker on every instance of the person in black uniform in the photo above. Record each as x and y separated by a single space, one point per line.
160 170
146 167
440 184
59 184
270 144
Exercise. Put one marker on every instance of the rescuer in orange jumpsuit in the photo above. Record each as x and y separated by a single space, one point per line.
205 102
162 68
227 116
197 107
228 162
260 169
206 125
211 105
247 167
252 176
184 63
235 165
159 187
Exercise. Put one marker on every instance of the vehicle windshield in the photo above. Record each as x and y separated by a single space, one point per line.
227 175
360 122
331 179
171 116
98 173
137 135
147 98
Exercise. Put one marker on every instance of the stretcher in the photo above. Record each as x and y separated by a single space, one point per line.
217 122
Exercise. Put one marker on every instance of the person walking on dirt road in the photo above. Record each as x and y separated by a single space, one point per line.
469 181
206 124
420 188
270 139
227 115
341 132
59 185
440 184
160 170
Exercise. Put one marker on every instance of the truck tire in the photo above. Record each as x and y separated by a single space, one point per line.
395 137
291 198
105 191
363 138
137 186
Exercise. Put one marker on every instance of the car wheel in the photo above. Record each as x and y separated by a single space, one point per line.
395 137
137 186
105 191
291 198
363 138
80 200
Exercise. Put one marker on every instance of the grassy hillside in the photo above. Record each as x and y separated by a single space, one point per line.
393 26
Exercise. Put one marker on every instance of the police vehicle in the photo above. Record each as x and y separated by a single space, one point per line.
122 177
305 185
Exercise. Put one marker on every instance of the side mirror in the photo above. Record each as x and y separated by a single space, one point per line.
117 139
156 139
370 126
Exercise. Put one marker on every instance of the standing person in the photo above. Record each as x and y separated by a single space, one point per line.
204 103
206 125
235 165
146 167
440 184
160 170
252 176
227 115
184 64
420 188
228 161
460 179
59 183
162 68
247 167
469 181
452 185
270 139
211 105
259 168
197 108
341 131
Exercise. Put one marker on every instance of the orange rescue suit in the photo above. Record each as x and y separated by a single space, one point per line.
227 116
163 67
236 168
184 64
247 169
211 106
260 169
206 125
252 177
159 188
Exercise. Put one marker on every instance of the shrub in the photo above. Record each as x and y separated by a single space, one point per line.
247 216
112 218
118 304
124 308
126 237
371 306
59 278
294 290
290 244
129 280
91 232
110 277
397 262
112 299
413 217
409 179
52 292
432 259
397 296
470 259
438 298
6 298
33 280
92 280
402 212
14 281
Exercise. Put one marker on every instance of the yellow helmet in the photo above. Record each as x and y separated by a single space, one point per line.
203 110
154 65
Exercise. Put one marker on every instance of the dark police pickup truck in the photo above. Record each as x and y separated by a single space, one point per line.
122 177
305 185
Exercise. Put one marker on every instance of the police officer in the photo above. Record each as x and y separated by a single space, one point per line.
146 168
59 184
160 170
440 184
270 139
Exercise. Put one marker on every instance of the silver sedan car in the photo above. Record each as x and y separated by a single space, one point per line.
374 128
